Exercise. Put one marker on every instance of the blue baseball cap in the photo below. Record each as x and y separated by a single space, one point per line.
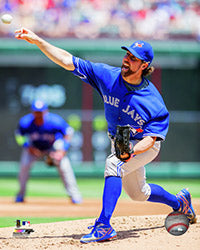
141 50
39 106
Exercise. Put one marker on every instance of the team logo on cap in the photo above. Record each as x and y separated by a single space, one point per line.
138 45
39 104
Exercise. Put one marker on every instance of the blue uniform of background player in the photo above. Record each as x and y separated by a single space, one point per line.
45 136
129 99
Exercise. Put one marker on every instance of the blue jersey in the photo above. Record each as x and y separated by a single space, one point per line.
143 108
43 137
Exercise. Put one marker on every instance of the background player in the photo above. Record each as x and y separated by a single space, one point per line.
45 136
129 99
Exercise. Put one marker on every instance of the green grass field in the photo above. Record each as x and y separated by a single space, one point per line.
90 188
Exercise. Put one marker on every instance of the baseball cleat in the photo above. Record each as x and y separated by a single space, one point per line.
100 232
184 198
19 198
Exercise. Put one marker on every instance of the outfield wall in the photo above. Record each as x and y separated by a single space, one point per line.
89 169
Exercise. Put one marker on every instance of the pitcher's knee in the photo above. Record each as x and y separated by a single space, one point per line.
141 194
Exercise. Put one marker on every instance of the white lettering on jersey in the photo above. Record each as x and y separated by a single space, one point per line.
46 137
136 117
113 101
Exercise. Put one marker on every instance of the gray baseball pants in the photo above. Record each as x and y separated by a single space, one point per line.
64 168
133 172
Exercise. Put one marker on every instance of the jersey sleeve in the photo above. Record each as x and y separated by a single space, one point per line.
21 132
158 126
60 126
24 124
63 135
85 71
96 74
20 129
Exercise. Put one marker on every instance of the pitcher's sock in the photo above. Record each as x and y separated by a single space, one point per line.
160 195
111 194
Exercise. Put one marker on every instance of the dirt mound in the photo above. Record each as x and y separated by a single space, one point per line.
138 225
133 232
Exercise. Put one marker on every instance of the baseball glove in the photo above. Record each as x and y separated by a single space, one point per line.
54 157
49 161
123 146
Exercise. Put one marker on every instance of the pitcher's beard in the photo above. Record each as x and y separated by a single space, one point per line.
126 73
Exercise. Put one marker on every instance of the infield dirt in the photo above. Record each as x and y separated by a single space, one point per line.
138 226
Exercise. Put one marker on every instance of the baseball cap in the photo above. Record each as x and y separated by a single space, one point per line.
39 106
141 50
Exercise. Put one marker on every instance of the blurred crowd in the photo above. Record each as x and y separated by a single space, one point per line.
145 19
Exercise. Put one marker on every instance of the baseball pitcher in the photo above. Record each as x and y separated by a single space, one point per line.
45 136
137 120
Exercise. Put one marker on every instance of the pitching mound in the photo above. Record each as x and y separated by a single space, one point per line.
133 232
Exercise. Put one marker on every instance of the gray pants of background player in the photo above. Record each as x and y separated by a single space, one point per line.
65 171
133 173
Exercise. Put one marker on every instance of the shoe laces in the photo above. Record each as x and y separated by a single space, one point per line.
95 224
